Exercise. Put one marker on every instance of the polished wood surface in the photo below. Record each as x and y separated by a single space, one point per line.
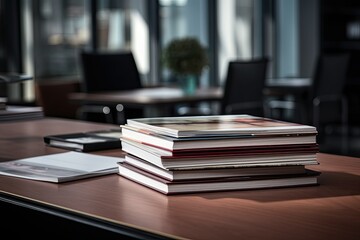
328 211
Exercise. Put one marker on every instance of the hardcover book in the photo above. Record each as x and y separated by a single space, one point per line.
167 187
218 125
85 141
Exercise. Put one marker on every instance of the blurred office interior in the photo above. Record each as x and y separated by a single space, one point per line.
44 38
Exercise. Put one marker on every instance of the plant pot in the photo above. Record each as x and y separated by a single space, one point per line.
188 84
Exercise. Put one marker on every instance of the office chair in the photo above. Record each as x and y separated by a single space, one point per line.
109 71
326 103
329 103
243 89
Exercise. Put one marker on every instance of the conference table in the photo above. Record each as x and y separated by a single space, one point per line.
112 207
160 101
157 101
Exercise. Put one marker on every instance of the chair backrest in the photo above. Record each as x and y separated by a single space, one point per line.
243 90
330 74
328 83
109 71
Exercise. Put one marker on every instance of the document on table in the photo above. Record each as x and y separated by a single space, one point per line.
61 167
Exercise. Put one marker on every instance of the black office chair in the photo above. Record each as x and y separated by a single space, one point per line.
243 88
328 78
109 71
329 103
326 104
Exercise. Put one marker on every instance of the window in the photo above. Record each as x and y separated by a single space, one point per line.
179 19
54 31
123 25
61 28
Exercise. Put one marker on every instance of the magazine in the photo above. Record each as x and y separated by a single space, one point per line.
217 184
217 125
61 167
211 142
255 157
212 172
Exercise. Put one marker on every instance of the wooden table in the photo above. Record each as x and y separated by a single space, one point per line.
158 101
114 205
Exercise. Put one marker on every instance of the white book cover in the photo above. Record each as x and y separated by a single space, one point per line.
61 167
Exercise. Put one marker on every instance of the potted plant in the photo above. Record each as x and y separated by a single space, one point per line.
186 58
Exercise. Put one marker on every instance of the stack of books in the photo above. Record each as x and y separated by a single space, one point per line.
12 113
217 153
2 103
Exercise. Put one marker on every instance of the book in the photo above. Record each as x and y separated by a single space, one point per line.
212 172
86 141
200 143
61 167
12 113
218 125
216 151
3 101
218 184
242 157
